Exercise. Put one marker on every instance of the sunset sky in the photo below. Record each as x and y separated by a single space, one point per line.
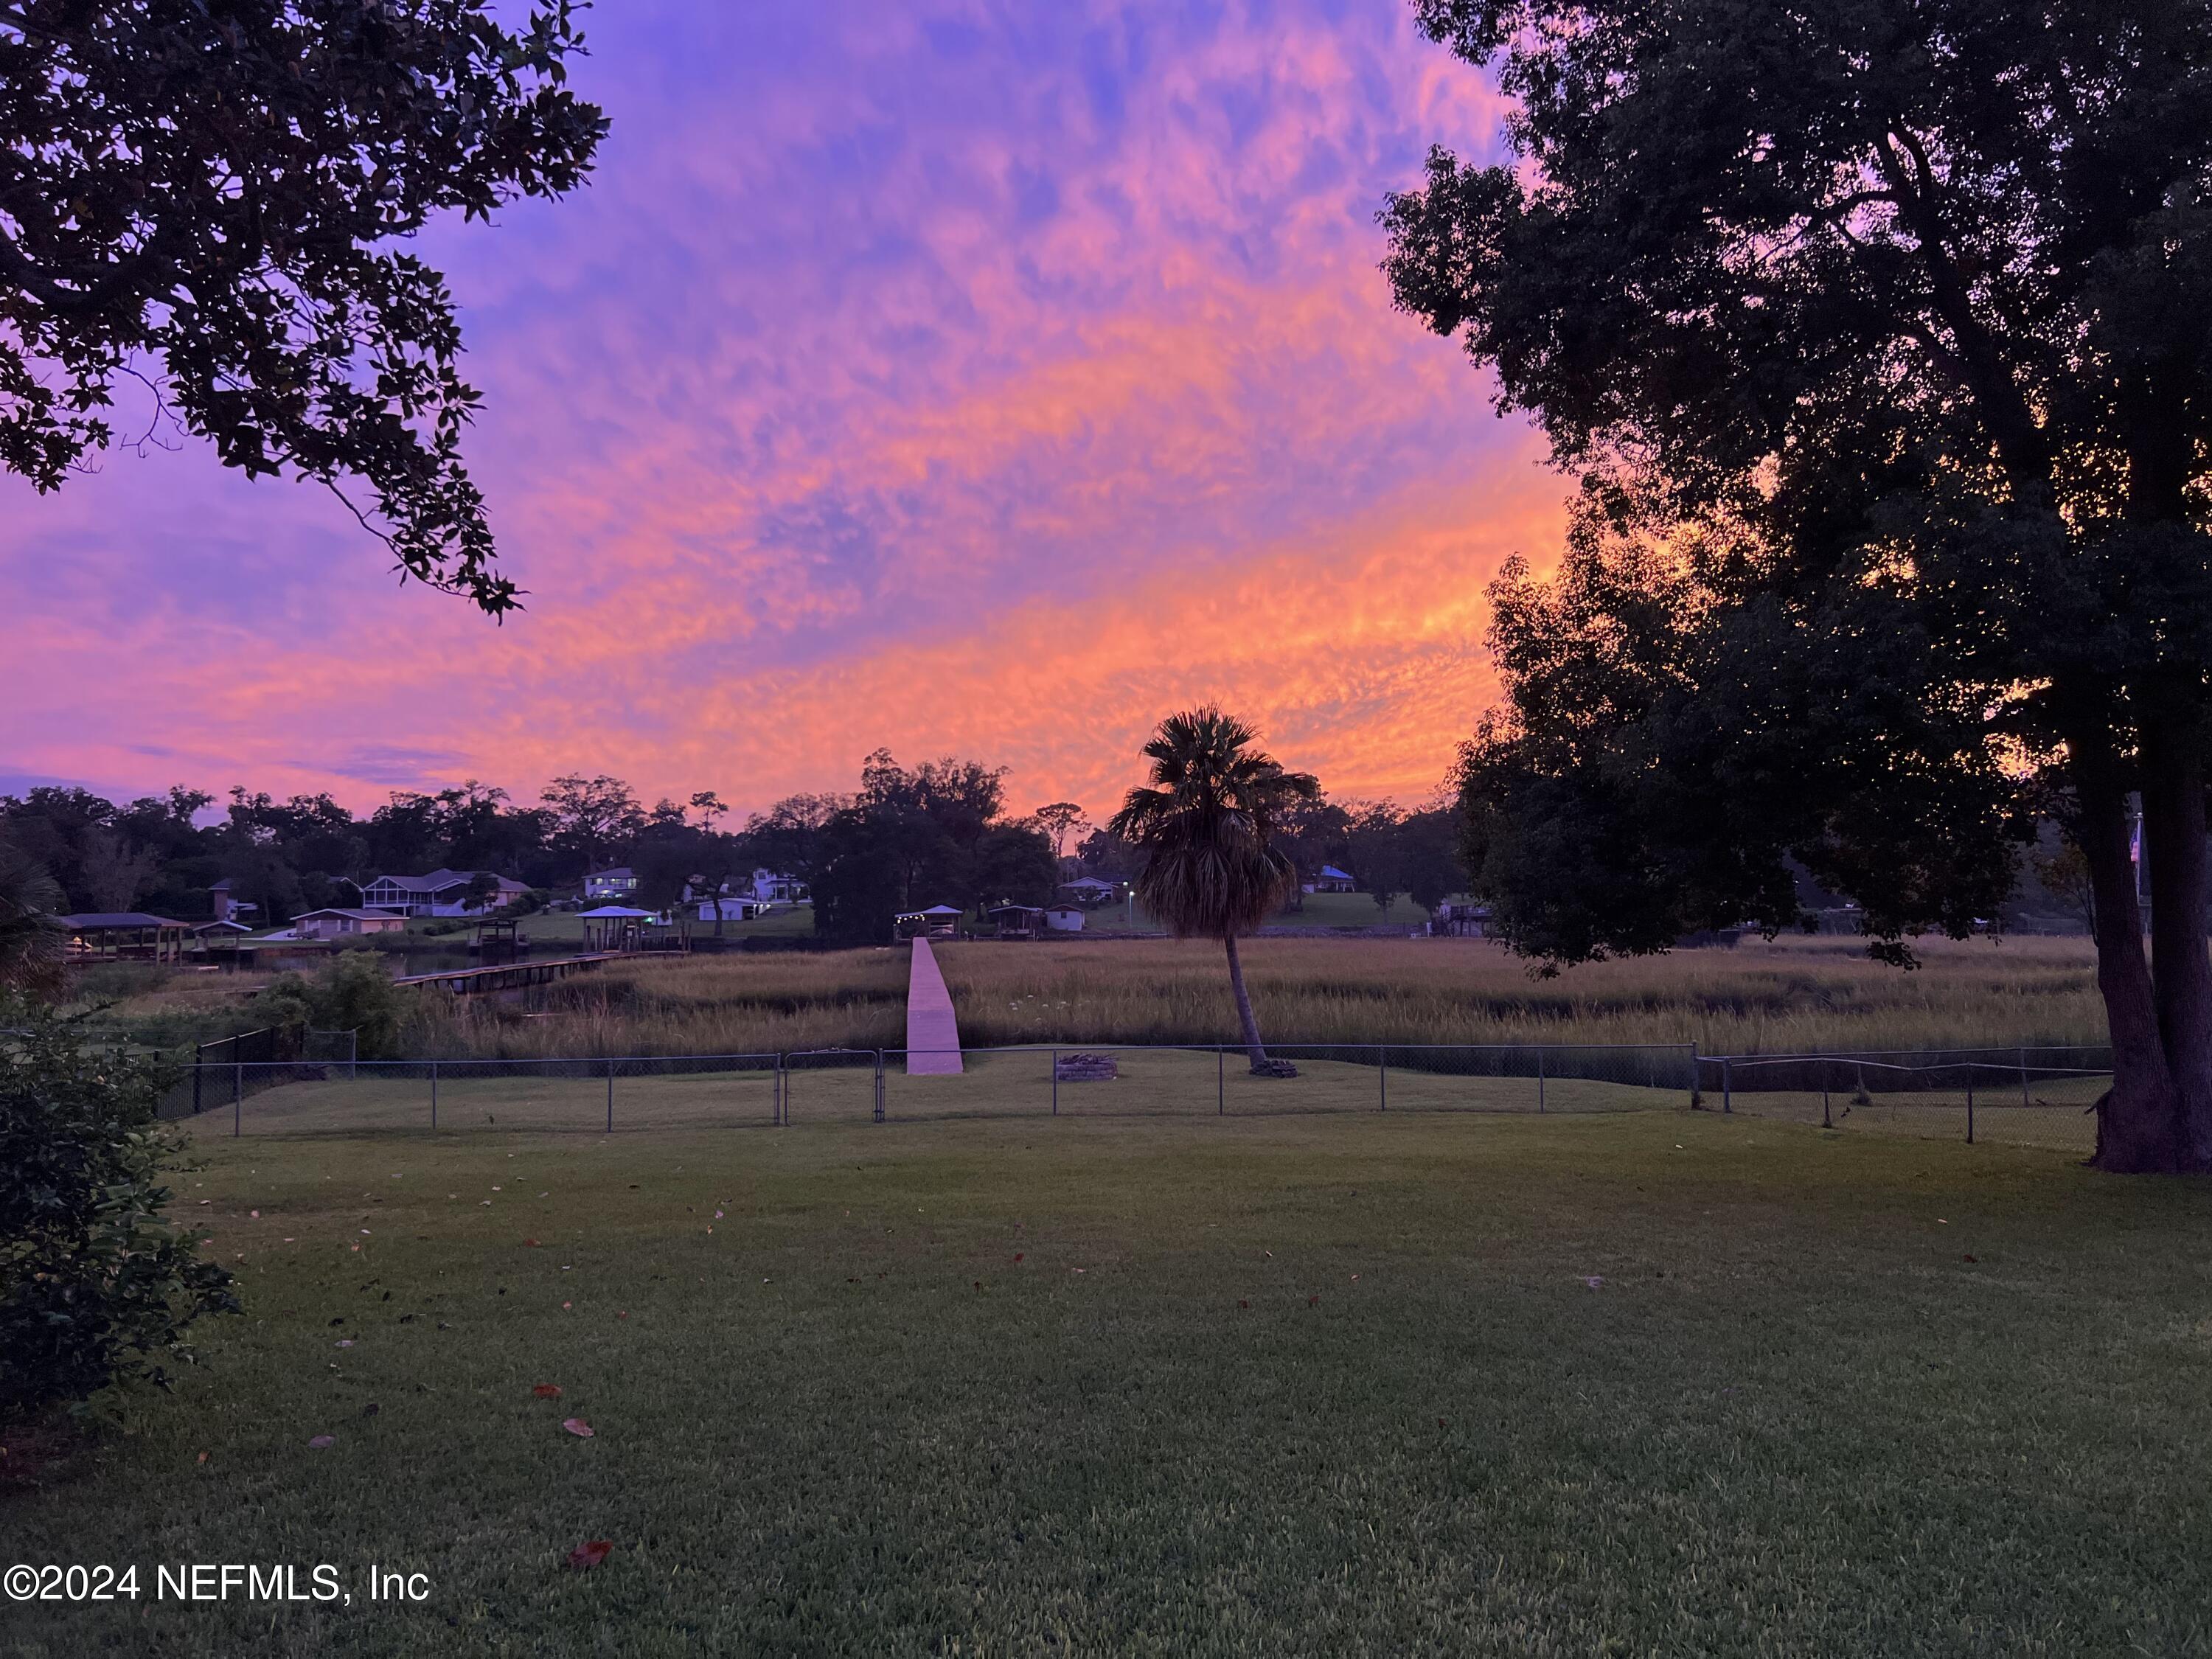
957 378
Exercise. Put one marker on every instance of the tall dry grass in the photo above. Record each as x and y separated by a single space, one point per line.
1792 995
738 1004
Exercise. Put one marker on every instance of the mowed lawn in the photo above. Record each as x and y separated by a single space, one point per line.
1655 1382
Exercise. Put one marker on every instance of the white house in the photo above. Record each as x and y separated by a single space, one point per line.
618 883
770 887
733 910
441 893
345 924
1089 890
1330 879
1064 917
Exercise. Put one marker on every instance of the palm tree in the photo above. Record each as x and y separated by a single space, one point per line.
1206 827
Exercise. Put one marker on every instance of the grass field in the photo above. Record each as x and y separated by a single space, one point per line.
1657 1382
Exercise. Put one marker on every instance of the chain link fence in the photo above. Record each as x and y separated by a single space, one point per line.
601 1095
2023 1097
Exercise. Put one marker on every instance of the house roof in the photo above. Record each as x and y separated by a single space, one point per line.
91 921
1086 881
1026 909
357 916
614 912
1335 874
436 882
220 926
620 870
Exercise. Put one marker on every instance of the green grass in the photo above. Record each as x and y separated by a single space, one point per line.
1322 1386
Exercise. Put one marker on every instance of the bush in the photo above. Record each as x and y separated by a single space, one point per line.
351 992
96 1285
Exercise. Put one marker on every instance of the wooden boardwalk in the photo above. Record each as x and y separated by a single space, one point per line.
509 975
932 1035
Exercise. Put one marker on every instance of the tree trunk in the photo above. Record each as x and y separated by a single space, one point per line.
2181 964
1245 1021
2138 1118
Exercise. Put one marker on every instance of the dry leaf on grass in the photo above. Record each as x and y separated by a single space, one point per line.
577 1427
590 1553
547 1390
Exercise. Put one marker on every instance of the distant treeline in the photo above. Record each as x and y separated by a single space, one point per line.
937 832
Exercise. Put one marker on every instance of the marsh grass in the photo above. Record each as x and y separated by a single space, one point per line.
703 1005
1790 996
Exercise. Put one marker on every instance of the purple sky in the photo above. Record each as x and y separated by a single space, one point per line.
955 378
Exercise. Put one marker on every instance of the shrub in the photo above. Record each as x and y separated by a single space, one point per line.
351 992
97 1285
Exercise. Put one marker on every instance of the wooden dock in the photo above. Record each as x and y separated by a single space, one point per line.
509 975
933 1034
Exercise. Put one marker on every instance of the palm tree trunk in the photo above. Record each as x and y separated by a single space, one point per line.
1249 1025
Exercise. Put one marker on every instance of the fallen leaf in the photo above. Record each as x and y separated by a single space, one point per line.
1595 1281
323 1442
1243 1304
1313 1301
1018 1257
590 1553
255 1214
202 1457
371 1409
547 1390
624 1314
345 1342
577 1427
1972 1258
565 1306
530 1243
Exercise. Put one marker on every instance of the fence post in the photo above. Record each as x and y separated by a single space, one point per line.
353 1055
1540 1082
1055 1083
1827 1122
199 1066
2023 1075
1970 1109
880 1085
1220 1081
237 1098
1728 1091
433 1094
1383 1075
1696 1075
611 1094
